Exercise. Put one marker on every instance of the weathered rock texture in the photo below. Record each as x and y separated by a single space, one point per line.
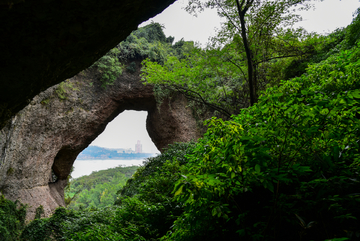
60 122
43 42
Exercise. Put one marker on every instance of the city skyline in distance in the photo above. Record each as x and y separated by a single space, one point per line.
124 132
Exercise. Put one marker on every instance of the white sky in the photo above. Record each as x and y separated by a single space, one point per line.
326 17
124 132
129 126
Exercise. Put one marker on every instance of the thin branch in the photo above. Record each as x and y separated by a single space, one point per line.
227 16
238 66
278 57
202 100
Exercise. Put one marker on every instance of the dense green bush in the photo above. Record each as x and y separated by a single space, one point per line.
146 42
339 40
146 200
12 219
109 67
285 169
89 224
150 42
353 30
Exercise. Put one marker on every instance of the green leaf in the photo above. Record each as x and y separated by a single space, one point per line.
179 191
269 185
257 168
356 93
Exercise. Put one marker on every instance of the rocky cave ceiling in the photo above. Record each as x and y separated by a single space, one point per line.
44 42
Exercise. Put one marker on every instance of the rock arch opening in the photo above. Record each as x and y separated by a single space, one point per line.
116 145
124 131
48 134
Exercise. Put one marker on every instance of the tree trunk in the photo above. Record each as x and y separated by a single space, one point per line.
250 62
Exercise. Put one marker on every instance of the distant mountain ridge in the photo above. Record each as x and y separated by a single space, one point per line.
101 153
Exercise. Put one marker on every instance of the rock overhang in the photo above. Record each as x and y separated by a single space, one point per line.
44 42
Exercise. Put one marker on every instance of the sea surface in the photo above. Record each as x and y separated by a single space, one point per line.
86 167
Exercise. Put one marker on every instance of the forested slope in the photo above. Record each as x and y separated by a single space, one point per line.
97 189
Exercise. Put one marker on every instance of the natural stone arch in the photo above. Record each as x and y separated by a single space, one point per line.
47 135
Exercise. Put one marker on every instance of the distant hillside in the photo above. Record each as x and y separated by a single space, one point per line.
97 189
100 153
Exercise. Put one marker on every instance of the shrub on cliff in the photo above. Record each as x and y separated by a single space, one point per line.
12 219
109 67
146 42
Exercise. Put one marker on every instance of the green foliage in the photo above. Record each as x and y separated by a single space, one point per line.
62 91
146 42
217 76
94 225
145 209
152 33
202 76
292 157
150 42
98 190
10 171
146 200
324 47
109 67
45 101
12 219
39 211
330 45
256 30
155 166
353 30
131 67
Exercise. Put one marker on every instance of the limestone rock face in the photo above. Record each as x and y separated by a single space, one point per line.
170 110
44 42
48 134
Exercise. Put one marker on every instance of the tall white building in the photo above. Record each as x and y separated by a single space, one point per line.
138 147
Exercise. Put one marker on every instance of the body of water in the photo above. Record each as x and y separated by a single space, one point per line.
86 167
